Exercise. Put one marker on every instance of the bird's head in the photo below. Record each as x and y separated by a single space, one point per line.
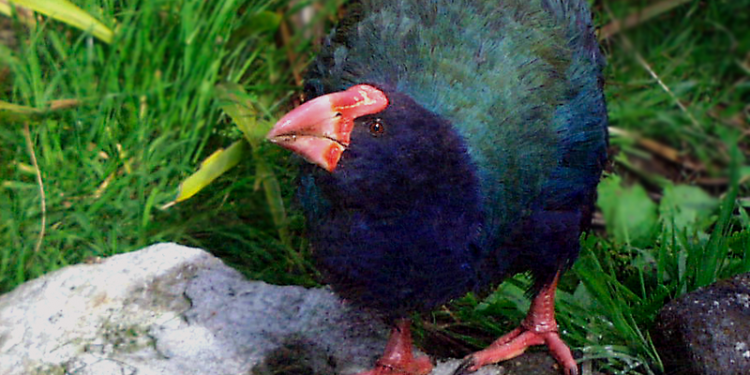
378 145
320 130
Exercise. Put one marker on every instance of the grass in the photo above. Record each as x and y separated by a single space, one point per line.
147 111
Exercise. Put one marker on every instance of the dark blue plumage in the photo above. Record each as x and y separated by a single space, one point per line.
520 84
394 225
483 162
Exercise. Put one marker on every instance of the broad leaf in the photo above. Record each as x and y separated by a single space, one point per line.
630 214
686 207
264 21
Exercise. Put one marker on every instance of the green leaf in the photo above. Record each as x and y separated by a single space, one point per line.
211 168
67 12
265 21
744 174
238 105
686 207
630 214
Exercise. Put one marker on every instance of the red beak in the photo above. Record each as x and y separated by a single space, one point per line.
320 129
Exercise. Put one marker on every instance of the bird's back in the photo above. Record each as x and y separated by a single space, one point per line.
520 80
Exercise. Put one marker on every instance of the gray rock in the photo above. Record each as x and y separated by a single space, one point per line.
707 331
169 309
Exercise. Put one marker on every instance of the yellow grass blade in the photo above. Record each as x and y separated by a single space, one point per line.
17 113
67 12
211 168
19 109
10 112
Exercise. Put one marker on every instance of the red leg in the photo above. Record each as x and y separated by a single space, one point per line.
398 358
538 328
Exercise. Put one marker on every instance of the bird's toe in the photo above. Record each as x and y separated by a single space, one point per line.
571 370
467 366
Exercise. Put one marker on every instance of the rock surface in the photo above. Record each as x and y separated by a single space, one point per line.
707 331
169 309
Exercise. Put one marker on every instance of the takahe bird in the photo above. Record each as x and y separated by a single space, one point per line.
451 144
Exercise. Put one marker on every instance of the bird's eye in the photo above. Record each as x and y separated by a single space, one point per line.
377 127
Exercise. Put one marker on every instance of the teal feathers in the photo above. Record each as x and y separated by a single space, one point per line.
519 80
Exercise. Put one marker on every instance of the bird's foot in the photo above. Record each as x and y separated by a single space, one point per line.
398 358
415 366
514 344
538 328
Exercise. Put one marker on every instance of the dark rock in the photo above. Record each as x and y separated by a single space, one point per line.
537 363
707 331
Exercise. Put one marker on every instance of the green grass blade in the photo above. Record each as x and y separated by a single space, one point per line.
717 248
211 168
69 13
232 97
273 198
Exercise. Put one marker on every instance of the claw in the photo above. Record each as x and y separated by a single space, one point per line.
538 328
466 367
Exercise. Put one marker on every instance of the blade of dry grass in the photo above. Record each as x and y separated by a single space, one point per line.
40 183
628 45
639 17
